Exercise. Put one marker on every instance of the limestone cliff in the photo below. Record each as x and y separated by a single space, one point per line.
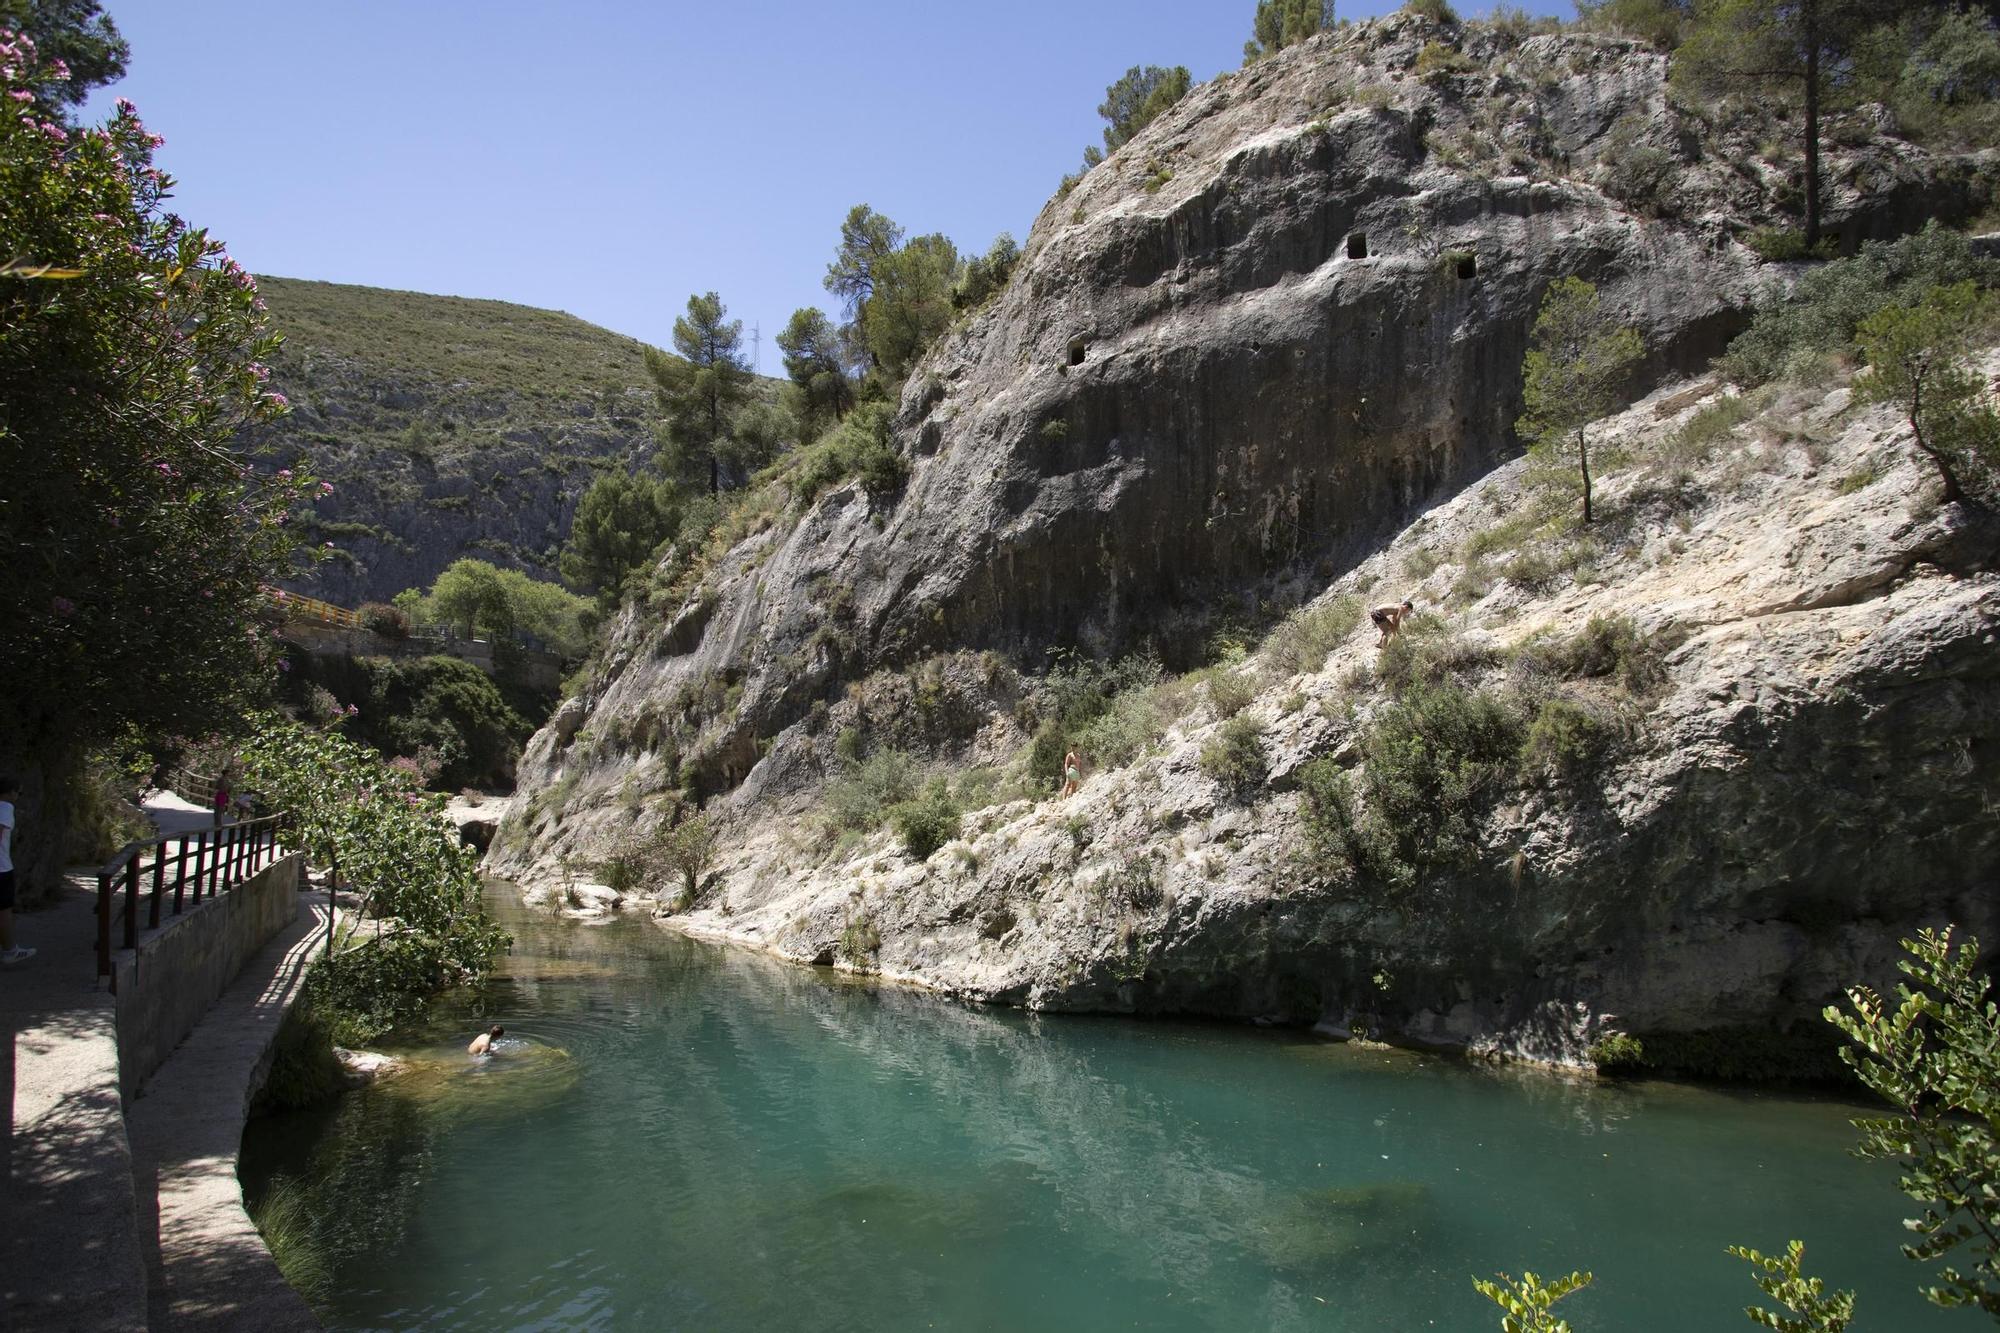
1238 358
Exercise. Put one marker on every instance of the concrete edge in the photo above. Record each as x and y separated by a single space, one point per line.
207 1265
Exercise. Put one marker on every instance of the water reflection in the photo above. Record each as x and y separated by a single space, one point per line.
689 1136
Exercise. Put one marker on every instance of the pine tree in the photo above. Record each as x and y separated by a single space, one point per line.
1779 46
1917 361
911 304
1282 23
1574 365
866 240
701 391
619 522
1136 101
815 361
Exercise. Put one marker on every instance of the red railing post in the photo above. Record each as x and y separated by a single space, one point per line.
132 901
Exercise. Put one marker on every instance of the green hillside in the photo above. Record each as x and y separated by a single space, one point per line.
447 426
483 345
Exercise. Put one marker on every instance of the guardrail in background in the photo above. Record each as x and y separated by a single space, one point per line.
221 859
312 608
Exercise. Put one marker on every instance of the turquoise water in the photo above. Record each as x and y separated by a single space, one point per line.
684 1136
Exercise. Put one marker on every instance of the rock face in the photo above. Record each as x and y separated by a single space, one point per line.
1235 360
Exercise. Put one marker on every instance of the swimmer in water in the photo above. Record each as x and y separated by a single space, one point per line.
483 1043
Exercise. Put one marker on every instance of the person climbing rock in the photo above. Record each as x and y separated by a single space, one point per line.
1072 772
1389 619
483 1043
10 952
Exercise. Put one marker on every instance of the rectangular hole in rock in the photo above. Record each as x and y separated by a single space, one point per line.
1467 267
1076 346
1357 245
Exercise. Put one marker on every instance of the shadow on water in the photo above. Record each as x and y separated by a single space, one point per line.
683 1135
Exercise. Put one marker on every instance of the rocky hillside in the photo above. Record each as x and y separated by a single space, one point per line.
1235 361
448 427
1790 761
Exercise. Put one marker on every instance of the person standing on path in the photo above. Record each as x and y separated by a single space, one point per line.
1072 773
221 795
10 952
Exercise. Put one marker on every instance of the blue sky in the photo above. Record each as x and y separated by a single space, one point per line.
610 158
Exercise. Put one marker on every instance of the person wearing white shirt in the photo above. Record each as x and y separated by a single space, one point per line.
10 953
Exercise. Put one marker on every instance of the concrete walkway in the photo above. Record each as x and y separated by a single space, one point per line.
77 1247
206 1266
67 1214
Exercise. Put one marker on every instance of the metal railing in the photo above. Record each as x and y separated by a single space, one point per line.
298 606
207 862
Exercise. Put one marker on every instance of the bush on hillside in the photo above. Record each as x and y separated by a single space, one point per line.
927 822
860 447
1566 741
861 797
1427 652
1786 245
1234 757
1830 303
1434 760
438 709
1301 642
1437 11
391 622
984 277
1104 710
1607 648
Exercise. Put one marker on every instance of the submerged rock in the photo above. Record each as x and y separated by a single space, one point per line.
363 1067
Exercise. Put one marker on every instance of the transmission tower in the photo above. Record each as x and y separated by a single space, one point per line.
756 349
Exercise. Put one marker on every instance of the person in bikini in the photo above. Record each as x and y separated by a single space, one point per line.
1072 772
1389 619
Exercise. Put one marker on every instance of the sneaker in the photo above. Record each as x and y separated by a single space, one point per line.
16 955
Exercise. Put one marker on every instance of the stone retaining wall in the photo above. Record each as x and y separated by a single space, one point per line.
168 983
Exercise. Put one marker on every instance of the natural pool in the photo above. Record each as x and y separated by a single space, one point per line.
688 1136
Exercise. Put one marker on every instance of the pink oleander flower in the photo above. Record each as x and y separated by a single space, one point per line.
325 489
284 474
277 400
58 70
21 95
125 107
284 664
